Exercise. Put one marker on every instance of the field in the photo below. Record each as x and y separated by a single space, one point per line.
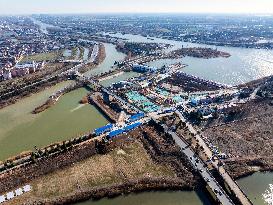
117 166
51 56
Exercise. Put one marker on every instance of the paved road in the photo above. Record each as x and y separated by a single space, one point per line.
199 165
230 182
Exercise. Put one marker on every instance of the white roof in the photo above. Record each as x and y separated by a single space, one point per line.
27 188
2 199
19 192
10 195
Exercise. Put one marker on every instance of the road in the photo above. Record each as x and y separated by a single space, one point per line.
226 177
199 165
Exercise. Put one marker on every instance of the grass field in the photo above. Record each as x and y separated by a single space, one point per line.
43 56
129 162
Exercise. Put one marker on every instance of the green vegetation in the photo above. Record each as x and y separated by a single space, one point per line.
51 56
74 52
81 53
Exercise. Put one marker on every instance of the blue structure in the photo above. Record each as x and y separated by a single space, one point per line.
144 68
103 129
115 133
132 126
136 117
194 101
169 110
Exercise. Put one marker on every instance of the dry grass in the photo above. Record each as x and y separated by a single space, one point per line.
249 138
130 162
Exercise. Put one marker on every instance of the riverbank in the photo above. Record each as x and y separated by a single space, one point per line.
249 144
97 100
97 61
53 99
15 89
50 126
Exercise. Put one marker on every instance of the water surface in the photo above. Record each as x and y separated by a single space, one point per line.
20 130
255 185
244 65
155 198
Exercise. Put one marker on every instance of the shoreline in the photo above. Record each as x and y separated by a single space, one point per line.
115 190
86 149
34 90
48 164
53 99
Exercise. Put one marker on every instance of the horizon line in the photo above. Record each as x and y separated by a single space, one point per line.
137 13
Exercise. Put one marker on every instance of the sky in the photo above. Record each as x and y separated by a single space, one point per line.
135 6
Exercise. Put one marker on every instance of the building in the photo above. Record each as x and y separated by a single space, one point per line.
20 69
144 68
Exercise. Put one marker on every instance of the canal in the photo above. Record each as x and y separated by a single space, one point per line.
155 198
20 130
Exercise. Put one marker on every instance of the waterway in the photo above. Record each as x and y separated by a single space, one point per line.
43 26
111 56
20 130
243 66
155 198
255 186
85 54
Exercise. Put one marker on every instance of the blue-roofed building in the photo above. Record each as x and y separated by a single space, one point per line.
136 117
194 101
144 68
115 133
103 129
132 126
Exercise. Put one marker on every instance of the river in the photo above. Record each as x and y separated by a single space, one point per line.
155 198
254 186
20 130
111 56
43 26
243 66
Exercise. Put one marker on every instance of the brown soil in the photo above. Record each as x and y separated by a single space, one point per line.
44 106
84 100
248 140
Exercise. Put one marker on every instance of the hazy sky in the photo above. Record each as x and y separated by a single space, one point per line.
136 6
